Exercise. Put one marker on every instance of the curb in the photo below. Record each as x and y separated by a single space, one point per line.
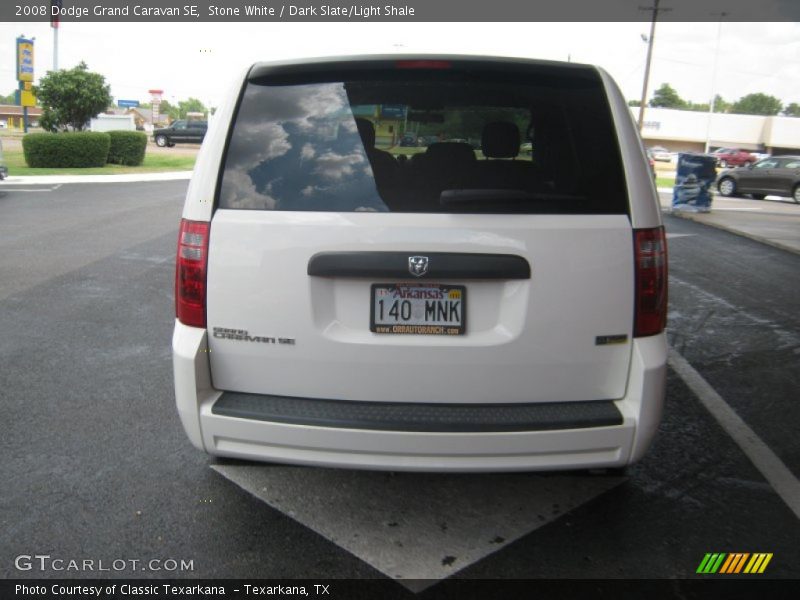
739 232
121 178
694 217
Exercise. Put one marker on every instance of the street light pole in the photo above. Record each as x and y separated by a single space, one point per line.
713 84
55 48
55 21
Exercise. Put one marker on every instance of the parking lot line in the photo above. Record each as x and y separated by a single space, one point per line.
13 189
765 460
448 522
737 209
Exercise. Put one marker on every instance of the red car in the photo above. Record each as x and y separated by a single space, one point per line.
733 157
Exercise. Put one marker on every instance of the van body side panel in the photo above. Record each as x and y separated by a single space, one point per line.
199 205
645 208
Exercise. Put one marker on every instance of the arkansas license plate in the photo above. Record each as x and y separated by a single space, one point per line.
418 308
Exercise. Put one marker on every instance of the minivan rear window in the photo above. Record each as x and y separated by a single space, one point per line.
449 142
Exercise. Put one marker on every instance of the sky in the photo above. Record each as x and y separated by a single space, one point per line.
201 59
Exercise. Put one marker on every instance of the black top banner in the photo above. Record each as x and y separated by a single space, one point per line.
399 10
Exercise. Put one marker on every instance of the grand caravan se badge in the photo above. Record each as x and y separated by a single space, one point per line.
242 335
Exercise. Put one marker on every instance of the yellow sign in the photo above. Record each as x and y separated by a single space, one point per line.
24 59
27 86
26 98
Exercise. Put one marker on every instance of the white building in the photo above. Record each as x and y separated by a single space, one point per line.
107 122
683 130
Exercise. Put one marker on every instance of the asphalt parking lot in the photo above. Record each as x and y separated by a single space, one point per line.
96 463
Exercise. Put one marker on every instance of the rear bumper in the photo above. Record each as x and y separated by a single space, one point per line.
581 444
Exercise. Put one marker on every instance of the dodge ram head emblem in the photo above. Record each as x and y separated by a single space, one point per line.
418 265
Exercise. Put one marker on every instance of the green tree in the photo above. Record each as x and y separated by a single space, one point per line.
8 99
190 105
720 105
757 104
71 97
634 102
792 110
667 97
701 107
179 111
165 108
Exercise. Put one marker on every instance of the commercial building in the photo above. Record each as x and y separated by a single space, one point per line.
11 116
687 131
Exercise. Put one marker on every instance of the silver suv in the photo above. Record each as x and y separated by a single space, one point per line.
345 299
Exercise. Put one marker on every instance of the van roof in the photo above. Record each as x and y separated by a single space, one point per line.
352 63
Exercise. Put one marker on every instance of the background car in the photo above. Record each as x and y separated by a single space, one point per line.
777 175
733 157
408 141
661 154
427 140
191 132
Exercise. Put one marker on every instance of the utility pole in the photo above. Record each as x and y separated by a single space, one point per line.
711 103
650 40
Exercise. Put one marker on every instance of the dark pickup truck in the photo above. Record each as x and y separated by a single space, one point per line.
181 132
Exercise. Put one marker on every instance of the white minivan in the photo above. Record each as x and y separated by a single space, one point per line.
347 300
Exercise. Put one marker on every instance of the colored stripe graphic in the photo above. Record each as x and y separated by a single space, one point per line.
711 562
734 563
758 563
741 562
728 562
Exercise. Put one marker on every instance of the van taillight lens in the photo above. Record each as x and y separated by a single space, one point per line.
190 273
650 247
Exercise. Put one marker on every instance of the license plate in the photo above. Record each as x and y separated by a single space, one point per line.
418 308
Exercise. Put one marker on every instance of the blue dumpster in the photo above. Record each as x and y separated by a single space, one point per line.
693 182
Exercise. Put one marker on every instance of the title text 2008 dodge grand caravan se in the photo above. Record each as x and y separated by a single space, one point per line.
346 300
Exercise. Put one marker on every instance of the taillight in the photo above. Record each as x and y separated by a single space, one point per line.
650 251
190 273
